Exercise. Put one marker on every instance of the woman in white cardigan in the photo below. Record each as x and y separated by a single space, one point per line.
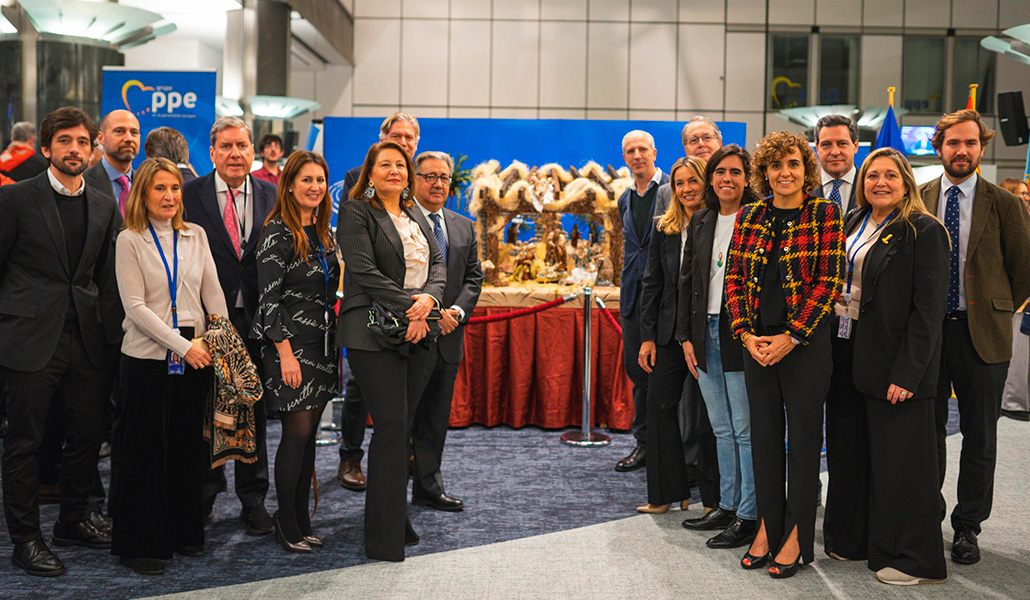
168 284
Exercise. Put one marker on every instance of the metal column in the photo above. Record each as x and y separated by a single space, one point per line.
586 437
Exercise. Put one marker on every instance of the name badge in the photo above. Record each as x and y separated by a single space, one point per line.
844 328
175 365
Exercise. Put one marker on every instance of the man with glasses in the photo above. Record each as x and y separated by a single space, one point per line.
701 138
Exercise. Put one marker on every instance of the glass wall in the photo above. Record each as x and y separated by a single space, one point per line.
838 69
788 70
973 64
922 87
10 88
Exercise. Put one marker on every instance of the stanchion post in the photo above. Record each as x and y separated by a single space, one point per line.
586 437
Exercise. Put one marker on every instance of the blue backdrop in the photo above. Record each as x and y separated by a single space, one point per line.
533 142
182 100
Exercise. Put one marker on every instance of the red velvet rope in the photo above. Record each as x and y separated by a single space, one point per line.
608 317
521 312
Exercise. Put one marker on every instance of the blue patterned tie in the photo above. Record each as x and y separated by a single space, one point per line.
441 240
835 193
951 224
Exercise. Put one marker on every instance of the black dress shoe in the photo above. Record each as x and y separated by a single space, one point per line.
715 519
99 522
257 520
192 551
739 533
83 533
144 566
439 502
965 550
36 559
635 460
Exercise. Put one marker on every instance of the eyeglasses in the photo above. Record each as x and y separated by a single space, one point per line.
432 178
706 138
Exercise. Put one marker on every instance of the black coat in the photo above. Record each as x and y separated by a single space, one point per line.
660 288
96 176
694 283
35 280
904 297
234 272
373 258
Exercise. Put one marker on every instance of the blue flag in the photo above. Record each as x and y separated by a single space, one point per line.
890 133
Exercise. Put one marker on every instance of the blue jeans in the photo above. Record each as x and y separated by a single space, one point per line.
726 399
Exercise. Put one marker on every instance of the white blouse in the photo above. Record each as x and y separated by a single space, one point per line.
416 251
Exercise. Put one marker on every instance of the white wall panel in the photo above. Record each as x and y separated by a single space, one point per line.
425 9
373 110
652 115
745 71
792 12
609 10
377 8
882 13
469 9
975 14
838 12
515 68
745 11
470 63
563 64
512 113
652 66
661 11
575 10
927 13
607 65
702 11
462 112
701 55
755 126
563 113
377 58
516 9
880 68
607 114
1012 13
424 62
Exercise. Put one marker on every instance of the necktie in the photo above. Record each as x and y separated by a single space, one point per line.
124 194
951 224
232 224
441 241
835 193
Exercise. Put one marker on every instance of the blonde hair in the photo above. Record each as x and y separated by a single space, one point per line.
676 218
911 203
136 217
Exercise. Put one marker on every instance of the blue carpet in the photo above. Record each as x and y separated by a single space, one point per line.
515 484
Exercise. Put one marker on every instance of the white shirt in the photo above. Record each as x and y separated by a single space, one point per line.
845 188
966 191
60 189
720 252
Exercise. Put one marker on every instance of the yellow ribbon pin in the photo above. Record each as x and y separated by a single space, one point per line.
887 238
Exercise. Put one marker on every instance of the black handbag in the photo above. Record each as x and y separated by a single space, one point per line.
390 329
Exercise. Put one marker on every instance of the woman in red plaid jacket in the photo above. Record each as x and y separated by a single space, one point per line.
785 268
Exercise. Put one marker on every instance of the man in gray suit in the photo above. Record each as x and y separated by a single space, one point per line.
456 238
701 138
120 138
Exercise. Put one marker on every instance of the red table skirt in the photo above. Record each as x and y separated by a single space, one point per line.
529 371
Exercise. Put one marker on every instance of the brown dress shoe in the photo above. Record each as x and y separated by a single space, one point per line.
350 475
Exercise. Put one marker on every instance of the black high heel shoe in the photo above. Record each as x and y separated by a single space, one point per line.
750 561
301 546
314 541
410 537
785 571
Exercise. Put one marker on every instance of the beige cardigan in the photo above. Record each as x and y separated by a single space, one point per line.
143 287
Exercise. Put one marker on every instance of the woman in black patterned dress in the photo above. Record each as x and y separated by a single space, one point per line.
298 275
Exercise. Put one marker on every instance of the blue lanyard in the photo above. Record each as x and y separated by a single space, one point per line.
172 274
853 255
323 261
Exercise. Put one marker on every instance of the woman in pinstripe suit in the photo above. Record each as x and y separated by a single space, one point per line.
390 257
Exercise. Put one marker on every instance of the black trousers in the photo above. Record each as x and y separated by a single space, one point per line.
630 351
432 417
392 385
70 383
667 478
251 478
882 503
797 385
978 387
353 421
161 459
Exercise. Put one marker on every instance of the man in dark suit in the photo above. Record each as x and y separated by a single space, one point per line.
836 143
989 279
456 238
120 138
56 273
636 207
231 206
165 142
401 129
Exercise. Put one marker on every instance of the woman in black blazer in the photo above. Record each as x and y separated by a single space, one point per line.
713 356
882 502
390 257
660 355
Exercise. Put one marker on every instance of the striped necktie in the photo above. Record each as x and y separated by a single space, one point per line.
441 240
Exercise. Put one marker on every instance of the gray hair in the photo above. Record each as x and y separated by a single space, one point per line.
23 131
836 121
384 129
431 155
165 142
701 119
223 123
636 133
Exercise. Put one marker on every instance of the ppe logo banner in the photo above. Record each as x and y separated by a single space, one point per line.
182 100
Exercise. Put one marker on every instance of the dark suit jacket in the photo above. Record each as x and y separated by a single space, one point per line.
904 297
35 278
348 182
660 285
694 282
634 252
997 269
464 280
818 192
234 273
373 258
96 176
187 174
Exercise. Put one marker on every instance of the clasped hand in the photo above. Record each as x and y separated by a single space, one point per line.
767 350
424 303
199 355
416 331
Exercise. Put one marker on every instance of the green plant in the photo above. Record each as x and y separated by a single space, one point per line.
460 179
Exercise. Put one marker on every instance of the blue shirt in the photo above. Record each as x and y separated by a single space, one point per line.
113 174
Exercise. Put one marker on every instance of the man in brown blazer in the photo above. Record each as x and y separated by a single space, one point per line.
990 277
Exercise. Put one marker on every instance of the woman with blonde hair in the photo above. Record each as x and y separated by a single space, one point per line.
786 262
168 284
668 469
298 274
882 501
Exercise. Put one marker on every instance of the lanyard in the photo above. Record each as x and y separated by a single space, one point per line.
853 255
172 274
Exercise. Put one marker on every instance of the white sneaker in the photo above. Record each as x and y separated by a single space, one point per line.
892 576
